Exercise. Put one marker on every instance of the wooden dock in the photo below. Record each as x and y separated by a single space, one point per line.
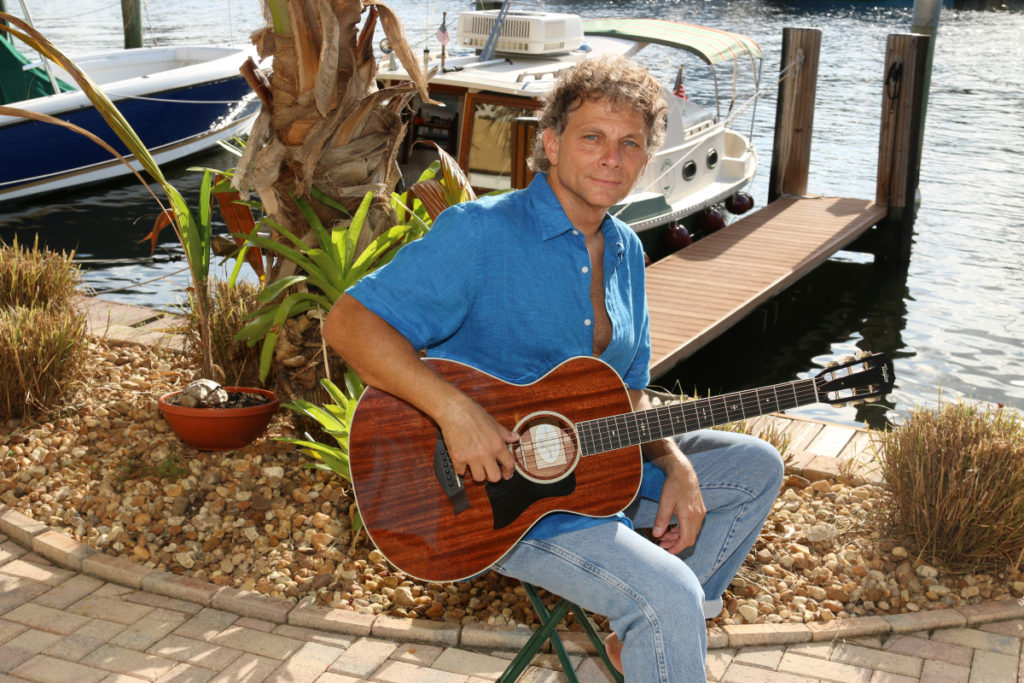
728 274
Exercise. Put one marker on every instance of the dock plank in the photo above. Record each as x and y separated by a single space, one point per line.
700 292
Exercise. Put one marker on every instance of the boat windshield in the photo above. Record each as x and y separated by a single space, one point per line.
489 155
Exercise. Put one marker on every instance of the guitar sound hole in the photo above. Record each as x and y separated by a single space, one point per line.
548 448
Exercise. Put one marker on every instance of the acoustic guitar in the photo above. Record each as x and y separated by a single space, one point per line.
579 451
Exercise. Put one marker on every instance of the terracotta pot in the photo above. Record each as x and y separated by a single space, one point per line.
220 429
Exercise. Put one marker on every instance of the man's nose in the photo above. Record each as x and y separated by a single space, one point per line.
611 155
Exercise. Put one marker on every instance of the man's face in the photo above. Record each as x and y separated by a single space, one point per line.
597 159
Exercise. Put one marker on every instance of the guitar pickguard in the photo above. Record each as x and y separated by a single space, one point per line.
510 497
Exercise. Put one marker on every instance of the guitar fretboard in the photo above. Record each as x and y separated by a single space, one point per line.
632 429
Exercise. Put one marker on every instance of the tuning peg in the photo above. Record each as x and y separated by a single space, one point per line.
848 359
862 354
832 364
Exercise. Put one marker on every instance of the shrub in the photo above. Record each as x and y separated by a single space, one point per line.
42 334
36 278
42 355
235 363
956 479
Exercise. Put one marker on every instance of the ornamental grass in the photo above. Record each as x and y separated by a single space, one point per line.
235 363
42 332
34 277
956 480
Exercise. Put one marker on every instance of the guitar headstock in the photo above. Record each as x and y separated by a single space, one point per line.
864 378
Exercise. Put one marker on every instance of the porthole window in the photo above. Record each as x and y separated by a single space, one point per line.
712 158
689 170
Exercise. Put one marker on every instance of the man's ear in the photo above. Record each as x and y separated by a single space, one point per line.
550 139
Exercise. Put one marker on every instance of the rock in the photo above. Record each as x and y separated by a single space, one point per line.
749 613
203 393
904 573
403 597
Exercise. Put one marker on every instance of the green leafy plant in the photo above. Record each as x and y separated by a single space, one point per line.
955 479
334 419
327 268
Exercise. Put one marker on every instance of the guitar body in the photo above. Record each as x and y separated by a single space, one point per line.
436 526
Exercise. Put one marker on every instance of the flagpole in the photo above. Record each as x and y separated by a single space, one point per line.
444 43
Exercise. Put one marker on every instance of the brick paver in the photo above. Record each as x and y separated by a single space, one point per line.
100 624
930 649
880 660
979 640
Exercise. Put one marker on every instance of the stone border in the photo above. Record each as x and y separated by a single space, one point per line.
70 554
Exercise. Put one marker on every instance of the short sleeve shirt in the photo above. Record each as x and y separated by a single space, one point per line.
503 284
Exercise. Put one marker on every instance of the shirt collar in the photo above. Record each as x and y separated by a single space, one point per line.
550 219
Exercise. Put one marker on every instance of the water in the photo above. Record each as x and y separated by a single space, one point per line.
952 319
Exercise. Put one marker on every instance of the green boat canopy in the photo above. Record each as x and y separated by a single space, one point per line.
711 45
17 82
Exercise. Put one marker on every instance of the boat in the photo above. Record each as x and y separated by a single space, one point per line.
179 99
504 61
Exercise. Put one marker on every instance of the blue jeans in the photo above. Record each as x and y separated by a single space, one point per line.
655 600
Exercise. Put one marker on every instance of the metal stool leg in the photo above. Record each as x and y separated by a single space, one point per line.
547 631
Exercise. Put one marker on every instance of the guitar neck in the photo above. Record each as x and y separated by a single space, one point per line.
633 429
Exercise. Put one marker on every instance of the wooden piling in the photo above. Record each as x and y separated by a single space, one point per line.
794 113
899 144
131 16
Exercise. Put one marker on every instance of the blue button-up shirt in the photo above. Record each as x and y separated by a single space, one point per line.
503 284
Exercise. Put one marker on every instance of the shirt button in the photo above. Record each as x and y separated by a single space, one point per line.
585 269
576 232
587 322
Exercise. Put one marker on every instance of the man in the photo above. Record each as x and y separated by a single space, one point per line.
517 283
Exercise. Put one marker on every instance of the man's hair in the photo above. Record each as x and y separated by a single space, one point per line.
610 77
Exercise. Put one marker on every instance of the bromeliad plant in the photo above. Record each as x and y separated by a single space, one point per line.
328 268
334 419
335 263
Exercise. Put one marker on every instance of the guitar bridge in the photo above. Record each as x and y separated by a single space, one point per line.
448 478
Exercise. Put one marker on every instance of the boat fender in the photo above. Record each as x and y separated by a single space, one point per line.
739 203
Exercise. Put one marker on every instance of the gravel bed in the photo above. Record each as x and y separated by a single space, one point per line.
107 471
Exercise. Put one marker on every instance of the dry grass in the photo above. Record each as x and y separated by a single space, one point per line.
34 277
956 479
770 433
235 363
42 335
42 355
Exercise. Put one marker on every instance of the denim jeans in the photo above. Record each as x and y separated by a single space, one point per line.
655 600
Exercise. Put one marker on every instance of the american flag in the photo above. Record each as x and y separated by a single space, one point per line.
680 89
442 32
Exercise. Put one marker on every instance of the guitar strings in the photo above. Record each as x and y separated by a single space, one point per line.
601 432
